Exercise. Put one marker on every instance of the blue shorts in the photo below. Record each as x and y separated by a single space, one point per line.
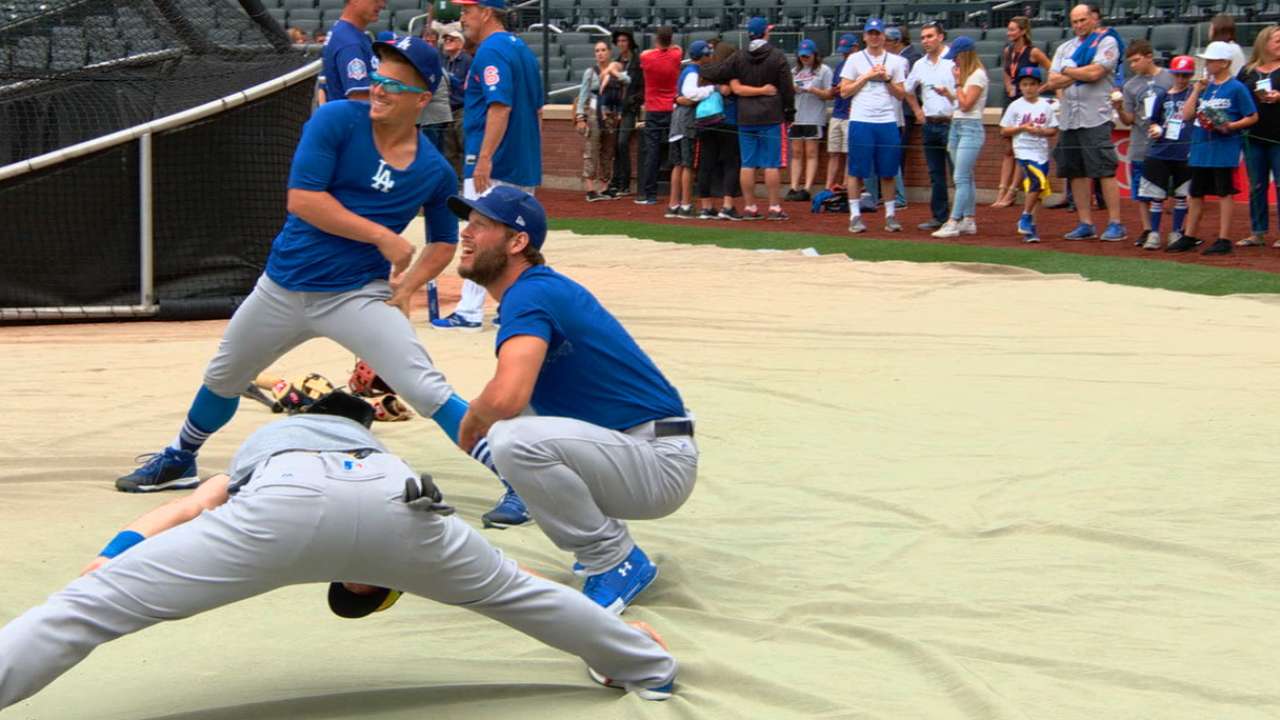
875 150
1135 181
762 146
1035 178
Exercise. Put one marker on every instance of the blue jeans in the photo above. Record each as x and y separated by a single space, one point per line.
964 144
1263 161
935 155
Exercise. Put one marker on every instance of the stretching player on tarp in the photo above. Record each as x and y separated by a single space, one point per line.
611 439
360 174
313 498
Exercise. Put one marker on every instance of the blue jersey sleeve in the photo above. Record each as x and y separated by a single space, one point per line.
316 159
353 66
523 315
441 224
497 78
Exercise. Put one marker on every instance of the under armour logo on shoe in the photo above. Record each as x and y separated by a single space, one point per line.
626 567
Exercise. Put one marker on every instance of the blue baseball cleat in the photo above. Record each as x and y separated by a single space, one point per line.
615 588
1083 231
1114 233
509 512
454 321
1025 226
166 470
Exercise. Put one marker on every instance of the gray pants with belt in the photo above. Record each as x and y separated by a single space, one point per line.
307 518
580 481
272 321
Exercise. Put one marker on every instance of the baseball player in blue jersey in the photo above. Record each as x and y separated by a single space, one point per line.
360 174
312 498
502 134
348 52
610 440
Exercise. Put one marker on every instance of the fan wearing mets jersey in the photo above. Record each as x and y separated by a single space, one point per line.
501 125
360 174
610 440
348 52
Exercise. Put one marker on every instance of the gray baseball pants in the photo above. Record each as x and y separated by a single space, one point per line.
580 481
304 518
272 321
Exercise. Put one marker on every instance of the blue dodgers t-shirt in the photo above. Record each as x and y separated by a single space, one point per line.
1169 105
1214 149
594 371
840 106
337 155
505 71
348 60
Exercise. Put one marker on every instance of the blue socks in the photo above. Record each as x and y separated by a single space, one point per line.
1156 214
208 413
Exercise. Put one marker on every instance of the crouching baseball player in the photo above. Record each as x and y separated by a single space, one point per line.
312 498
611 439
360 174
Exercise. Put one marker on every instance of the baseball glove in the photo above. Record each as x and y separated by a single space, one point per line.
365 382
294 397
348 604
389 408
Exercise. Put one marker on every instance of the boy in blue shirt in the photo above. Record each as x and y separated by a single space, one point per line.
610 439
1221 106
1165 172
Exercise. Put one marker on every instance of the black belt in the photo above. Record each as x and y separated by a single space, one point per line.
671 428
937 121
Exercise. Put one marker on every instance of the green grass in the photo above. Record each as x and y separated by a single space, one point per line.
1139 272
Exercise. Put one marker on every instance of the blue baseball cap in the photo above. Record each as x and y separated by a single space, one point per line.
757 27
846 43
807 48
495 4
873 25
419 53
510 206
959 45
699 49
385 36
893 33
1031 72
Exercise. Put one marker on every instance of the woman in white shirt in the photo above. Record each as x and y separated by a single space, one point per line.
812 79
967 135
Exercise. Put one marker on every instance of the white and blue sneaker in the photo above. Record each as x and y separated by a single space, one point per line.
1025 226
454 321
1083 231
1114 232
509 512
1031 236
615 588
166 470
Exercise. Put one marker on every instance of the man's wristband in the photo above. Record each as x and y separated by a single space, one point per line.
123 540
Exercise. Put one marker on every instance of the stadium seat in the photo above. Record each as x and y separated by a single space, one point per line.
224 36
670 12
704 14
1132 32
1126 9
764 8
995 94
67 50
586 50
1205 8
400 19
377 27
278 14
703 35
6 59
297 4
331 4
572 38
394 5
598 12
105 49
973 33
1167 8
578 65
297 15
329 16
268 4
989 48
1170 40
309 25
532 38
634 12
562 12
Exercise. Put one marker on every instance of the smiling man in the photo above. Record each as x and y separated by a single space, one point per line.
611 439
360 174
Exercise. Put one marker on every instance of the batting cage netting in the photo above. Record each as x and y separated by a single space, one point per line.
144 152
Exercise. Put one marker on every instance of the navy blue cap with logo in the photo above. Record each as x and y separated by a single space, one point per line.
758 27
1031 72
959 45
418 53
510 206
873 25
808 48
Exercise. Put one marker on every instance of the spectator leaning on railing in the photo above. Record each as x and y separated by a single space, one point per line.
1262 150
597 114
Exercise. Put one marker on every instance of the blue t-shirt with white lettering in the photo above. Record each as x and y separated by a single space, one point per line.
337 155
1168 104
594 371
505 71
348 60
1210 148
840 106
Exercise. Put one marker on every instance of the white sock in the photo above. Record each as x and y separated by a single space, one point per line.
855 210
888 208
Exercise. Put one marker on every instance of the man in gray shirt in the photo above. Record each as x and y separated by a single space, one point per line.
1134 108
1084 70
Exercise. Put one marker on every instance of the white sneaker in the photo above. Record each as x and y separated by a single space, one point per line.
1153 241
949 229
857 226
1172 238
968 226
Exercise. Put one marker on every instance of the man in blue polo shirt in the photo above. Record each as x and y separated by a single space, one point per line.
348 52
611 439
339 267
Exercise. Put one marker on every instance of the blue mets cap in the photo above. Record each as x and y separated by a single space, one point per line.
873 25
420 55
757 27
961 44
510 206
1030 72
699 49
807 48
846 43
495 4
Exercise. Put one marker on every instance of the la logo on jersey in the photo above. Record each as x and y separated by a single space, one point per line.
382 178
